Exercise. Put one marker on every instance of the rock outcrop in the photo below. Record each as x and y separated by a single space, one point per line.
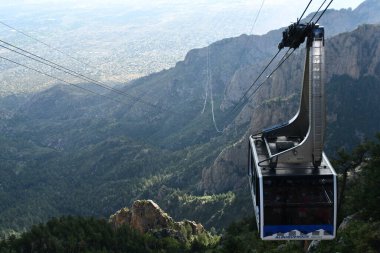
229 170
147 217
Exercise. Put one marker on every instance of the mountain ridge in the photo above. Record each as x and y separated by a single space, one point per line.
342 62
92 156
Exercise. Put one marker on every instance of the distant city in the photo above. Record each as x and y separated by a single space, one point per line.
114 44
117 45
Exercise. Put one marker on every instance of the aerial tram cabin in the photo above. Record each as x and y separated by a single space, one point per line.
293 185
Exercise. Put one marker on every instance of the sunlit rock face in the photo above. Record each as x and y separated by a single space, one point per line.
146 216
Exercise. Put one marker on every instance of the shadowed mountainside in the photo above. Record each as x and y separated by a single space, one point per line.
65 152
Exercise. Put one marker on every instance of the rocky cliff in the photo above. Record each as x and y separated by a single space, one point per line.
354 55
147 217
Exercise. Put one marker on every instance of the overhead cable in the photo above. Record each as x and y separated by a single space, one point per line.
244 99
257 16
315 13
208 72
209 84
68 71
303 13
61 80
284 58
324 11
60 51
46 44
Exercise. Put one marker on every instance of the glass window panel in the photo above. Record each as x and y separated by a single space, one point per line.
289 201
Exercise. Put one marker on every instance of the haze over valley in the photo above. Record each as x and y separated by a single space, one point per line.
121 41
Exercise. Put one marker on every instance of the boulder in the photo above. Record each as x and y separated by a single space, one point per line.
147 217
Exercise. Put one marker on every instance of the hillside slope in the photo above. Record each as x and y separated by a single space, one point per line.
65 152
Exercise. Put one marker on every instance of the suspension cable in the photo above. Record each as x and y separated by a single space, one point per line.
257 17
244 99
46 44
209 84
61 80
62 52
56 66
284 58
303 13
315 14
324 11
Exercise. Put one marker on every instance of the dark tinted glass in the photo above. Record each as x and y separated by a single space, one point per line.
298 201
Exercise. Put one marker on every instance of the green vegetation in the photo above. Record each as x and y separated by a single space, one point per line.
360 233
62 153
242 237
364 192
352 111
75 234
358 236
361 201
77 157
225 208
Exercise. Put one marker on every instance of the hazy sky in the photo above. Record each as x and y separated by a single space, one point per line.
337 3
275 13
